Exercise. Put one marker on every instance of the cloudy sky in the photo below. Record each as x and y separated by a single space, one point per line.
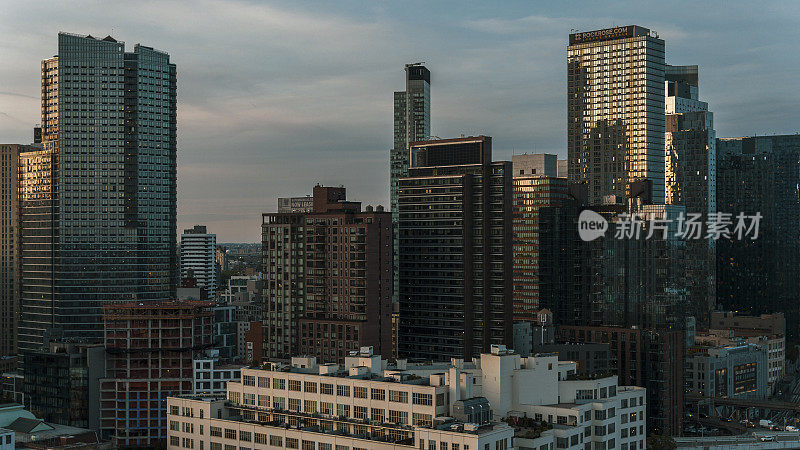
275 97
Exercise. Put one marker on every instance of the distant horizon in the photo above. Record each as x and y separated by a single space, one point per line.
275 98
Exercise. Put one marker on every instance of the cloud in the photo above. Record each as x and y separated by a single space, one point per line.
277 96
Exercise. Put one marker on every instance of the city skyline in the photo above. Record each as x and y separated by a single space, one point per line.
327 100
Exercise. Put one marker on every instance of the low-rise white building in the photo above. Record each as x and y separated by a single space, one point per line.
367 403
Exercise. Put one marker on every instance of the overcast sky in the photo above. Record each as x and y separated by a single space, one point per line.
276 97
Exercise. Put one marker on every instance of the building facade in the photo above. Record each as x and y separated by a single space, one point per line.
9 253
211 376
199 258
412 122
535 164
98 200
327 278
727 371
455 232
150 354
61 383
369 404
546 242
615 111
691 178
756 276
649 358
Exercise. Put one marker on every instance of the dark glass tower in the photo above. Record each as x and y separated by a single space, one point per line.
761 174
98 200
455 232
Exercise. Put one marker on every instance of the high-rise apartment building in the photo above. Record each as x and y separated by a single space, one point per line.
98 200
9 253
615 111
412 122
327 279
455 232
760 175
545 245
150 351
199 258
691 178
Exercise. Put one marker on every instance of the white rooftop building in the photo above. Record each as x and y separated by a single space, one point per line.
369 404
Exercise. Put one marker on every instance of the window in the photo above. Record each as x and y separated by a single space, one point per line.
422 399
278 383
324 446
309 406
310 387
292 443
279 403
263 382
308 445
326 389
360 412
326 408
230 434
378 415
244 436
248 380
342 447
173 440
359 392
343 410
173 425
343 391
276 441
249 399
216 431
294 385
379 394
174 410
235 397
400 417
294 404
263 401
422 419
216 446
260 438
398 396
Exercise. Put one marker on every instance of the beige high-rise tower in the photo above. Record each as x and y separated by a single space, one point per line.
9 251
615 112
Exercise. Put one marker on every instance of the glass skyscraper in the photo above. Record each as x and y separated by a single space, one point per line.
691 177
412 122
98 200
615 112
